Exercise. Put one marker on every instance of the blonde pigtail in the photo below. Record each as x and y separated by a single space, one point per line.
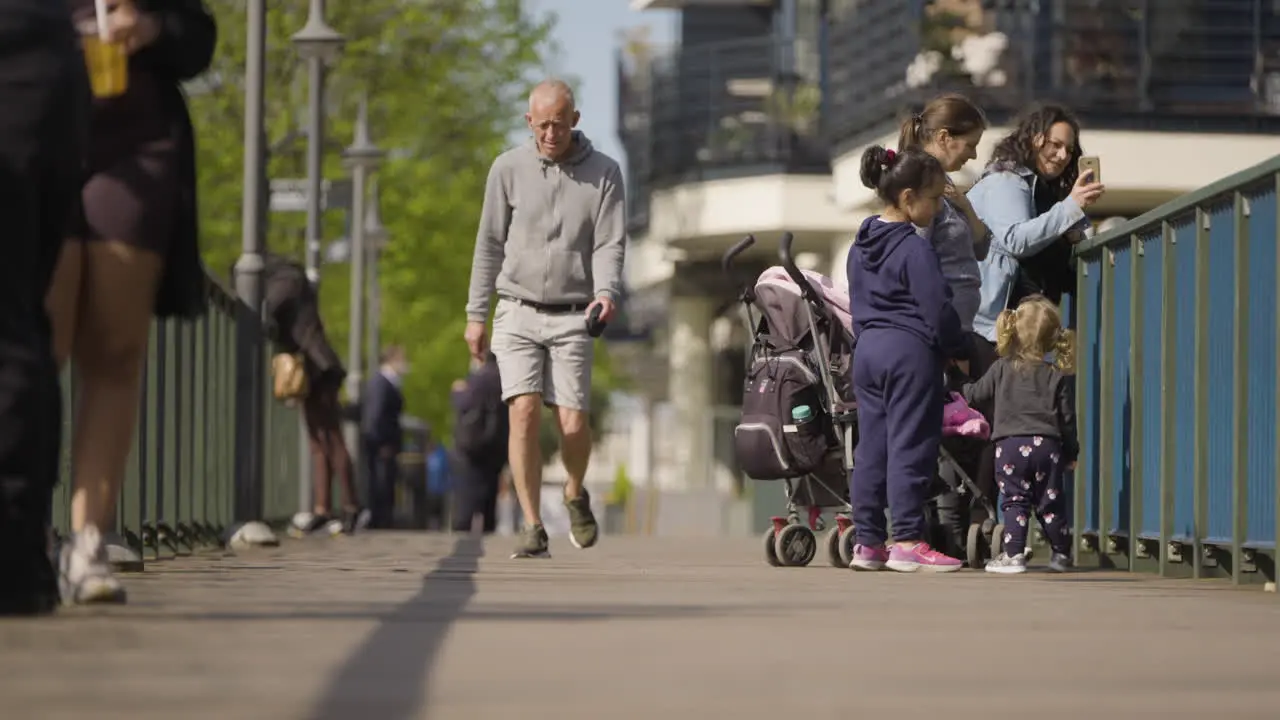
1007 334
1064 351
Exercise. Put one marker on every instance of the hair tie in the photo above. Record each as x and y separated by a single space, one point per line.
917 118
889 157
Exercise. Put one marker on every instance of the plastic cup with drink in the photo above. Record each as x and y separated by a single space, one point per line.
107 60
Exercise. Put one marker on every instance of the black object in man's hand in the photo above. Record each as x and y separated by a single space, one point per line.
595 326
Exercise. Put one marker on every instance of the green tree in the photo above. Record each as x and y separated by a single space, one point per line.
446 81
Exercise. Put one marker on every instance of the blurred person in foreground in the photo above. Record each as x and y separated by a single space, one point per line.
480 440
132 253
44 95
551 243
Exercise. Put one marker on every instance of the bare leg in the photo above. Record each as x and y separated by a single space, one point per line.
65 298
575 448
526 455
321 478
119 284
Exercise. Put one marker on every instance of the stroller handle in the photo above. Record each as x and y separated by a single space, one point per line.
789 264
726 262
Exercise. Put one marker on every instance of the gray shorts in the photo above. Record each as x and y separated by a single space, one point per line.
545 353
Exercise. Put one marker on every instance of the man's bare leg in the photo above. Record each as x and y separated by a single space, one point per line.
575 448
525 455
575 452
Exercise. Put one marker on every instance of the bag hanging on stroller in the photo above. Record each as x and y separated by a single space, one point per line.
784 432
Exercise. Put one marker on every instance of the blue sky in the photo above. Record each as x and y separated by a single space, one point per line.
587 33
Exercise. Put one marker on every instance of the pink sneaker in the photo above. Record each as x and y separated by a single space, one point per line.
920 558
869 558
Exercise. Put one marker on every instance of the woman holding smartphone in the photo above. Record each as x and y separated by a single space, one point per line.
1032 197
131 253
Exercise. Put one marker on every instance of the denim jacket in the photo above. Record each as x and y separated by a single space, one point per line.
1005 200
958 253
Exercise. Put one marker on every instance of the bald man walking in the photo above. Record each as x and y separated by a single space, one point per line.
551 244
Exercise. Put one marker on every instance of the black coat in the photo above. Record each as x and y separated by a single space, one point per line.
183 51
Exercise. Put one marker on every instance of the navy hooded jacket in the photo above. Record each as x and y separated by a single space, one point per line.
896 282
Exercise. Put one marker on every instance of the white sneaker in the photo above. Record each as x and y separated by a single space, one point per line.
1006 565
84 571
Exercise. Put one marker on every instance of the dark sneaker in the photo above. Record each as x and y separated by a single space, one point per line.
1059 563
354 521
533 543
584 531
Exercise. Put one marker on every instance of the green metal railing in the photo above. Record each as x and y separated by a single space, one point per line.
180 488
1179 354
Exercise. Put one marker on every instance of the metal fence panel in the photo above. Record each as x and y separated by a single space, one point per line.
1178 362
1149 409
1261 337
178 490
1090 319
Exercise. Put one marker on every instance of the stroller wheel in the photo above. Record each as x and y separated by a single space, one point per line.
988 527
846 547
976 547
770 548
831 541
796 546
997 541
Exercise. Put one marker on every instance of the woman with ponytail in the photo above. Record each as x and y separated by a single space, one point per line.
949 128
1034 428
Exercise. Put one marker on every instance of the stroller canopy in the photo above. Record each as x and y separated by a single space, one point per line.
779 298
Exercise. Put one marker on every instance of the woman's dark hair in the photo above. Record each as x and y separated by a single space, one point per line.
1018 147
889 173
951 112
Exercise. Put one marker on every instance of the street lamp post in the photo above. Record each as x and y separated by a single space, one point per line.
363 157
248 528
375 238
318 44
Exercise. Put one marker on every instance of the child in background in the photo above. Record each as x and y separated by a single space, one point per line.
907 330
1034 428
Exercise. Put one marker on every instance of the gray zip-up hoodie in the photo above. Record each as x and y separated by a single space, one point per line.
550 232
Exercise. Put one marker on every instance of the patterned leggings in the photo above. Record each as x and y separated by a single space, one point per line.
1029 475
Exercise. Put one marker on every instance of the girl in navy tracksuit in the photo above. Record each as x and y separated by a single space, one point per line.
907 331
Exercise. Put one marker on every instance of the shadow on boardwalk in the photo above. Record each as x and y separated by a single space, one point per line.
401 652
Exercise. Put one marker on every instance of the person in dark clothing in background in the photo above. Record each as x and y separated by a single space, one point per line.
906 328
439 485
293 308
381 433
43 126
480 440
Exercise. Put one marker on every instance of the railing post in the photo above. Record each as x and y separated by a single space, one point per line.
1201 423
1105 373
247 528
1240 389
1168 406
1276 398
1137 399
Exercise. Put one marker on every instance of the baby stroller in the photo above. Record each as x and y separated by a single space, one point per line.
799 420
